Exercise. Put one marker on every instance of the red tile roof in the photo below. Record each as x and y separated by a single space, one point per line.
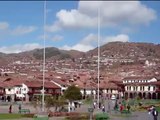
38 84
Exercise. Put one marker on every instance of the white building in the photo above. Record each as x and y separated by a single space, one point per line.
144 87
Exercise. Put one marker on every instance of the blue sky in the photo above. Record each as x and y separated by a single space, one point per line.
73 24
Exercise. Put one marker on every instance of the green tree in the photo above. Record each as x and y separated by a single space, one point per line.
72 93
51 101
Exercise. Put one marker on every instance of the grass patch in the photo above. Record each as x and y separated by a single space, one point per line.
6 116
10 116
88 101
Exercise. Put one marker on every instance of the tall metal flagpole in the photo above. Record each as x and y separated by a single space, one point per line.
98 53
44 45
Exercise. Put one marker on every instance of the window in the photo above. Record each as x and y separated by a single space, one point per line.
154 88
149 88
140 88
143 88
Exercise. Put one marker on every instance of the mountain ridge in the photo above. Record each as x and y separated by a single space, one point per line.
130 50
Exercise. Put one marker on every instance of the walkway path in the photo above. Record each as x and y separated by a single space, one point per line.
83 108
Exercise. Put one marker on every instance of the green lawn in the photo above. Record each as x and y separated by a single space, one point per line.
10 116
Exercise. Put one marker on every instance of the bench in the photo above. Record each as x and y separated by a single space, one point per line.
24 111
41 118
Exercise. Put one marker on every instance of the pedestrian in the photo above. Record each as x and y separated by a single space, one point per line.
94 104
10 109
128 108
19 107
116 106
99 105
73 106
155 114
103 108
121 108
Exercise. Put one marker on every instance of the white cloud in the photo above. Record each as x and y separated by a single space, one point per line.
75 19
19 48
79 47
113 13
84 45
91 38
5 29
4 25
53 28
21 30
117 12
90 42
120 38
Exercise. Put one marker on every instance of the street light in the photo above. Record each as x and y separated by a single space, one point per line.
44 39
98 53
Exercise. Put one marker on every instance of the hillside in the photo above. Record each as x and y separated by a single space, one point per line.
128 50
37 54
111 50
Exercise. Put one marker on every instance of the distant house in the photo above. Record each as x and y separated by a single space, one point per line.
14 89
143 87
2 89
111 89
61 83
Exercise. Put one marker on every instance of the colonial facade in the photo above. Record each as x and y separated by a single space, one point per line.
143 87
35 88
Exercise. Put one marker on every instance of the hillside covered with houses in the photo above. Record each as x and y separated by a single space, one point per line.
126 70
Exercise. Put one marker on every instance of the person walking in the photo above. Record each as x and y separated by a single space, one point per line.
10 109
94 104
103 108
128 108
19 107
155 114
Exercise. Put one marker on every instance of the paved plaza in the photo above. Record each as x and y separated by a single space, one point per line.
84 108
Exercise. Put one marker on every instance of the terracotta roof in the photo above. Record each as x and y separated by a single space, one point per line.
85 84
38 84
108 85
61 82
2 84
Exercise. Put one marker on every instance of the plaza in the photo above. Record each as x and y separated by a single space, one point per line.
113 115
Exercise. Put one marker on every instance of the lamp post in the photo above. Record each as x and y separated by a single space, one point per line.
98 54
44 39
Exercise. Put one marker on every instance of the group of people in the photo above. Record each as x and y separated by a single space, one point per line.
73 105
100 106
10 108
120 107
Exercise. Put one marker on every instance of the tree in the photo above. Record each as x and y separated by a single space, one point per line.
51 101
72 93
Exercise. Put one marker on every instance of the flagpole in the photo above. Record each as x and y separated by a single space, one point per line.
98 54
44 57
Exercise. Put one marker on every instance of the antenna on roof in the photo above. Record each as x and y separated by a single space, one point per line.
44 57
